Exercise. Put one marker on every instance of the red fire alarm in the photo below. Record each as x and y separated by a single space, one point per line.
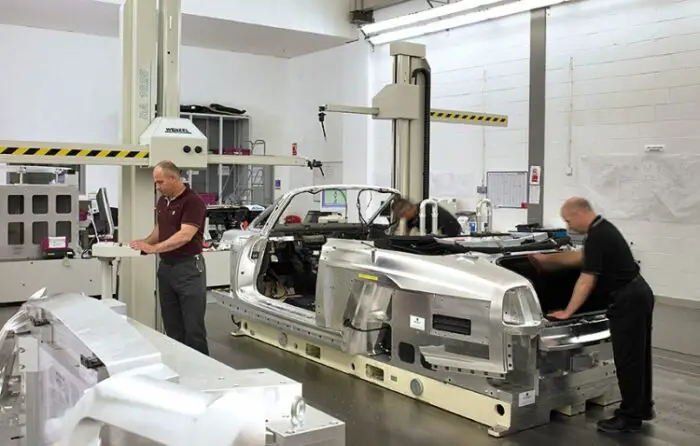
535 175
294 149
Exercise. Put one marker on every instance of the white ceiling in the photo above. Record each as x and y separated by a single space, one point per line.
102 18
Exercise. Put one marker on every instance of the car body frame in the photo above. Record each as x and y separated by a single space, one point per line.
468 311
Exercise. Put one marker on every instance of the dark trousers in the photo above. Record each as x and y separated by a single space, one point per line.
182 289
630 318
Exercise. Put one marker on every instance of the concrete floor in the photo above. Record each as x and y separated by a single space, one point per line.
377 417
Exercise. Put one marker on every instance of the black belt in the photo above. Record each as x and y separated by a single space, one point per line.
180 259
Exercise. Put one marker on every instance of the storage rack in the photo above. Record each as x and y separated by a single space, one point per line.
231 184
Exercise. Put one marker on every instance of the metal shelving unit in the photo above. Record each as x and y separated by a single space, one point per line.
231 184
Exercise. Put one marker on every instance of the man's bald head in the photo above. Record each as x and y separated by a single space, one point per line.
578 214
168 179
577 204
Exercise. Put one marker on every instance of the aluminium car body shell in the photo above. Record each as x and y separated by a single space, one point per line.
536 367
468 285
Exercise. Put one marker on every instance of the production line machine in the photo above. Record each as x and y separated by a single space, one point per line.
40 233
76 371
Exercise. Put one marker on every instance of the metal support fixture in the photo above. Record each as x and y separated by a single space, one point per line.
74 368
151 131
424 204
57 172
221 418
107 253
537 133
479 215
405 102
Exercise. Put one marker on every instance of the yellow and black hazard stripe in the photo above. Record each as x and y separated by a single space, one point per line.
469 117
82 153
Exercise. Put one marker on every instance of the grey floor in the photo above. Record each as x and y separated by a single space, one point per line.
377 417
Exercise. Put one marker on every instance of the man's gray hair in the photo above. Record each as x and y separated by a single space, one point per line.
169 168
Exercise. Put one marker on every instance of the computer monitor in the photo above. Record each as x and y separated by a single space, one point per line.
334 199
104 211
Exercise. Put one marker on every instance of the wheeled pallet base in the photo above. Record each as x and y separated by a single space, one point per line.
497 415
465 403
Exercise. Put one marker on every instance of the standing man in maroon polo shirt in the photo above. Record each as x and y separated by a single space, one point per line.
178 238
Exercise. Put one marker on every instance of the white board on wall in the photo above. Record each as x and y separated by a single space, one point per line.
507 189
332 174
656 187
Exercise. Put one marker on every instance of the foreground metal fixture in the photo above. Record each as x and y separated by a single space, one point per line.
77 371
457 323
221 418
480 215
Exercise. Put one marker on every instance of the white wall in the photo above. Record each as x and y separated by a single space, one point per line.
635 82
59 86
482 68
335 76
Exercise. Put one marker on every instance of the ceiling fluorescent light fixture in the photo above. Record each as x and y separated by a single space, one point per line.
464 20
425 16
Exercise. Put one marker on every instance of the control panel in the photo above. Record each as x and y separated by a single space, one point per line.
113 250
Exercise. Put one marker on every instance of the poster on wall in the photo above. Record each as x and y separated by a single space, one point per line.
534 195
535 175
654 187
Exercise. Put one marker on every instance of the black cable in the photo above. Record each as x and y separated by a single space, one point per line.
363 223
426 129
321 119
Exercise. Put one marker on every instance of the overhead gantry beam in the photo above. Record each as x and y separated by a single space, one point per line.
436 115
49 153
407 103
467 117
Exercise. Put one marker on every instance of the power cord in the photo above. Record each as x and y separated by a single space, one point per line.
363 222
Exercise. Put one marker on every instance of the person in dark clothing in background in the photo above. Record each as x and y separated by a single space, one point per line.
447 223
607 263
178 238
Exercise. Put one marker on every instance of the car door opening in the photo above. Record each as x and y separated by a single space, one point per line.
290 264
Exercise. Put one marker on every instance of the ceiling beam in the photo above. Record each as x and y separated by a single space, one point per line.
373 5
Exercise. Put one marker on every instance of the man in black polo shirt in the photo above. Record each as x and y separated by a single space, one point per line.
607 263
178 238
447 223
